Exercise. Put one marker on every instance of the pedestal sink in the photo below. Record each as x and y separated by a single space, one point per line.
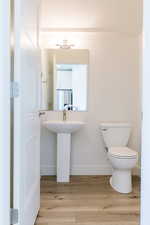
63 130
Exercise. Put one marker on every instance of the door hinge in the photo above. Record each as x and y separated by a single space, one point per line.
13 216
14 89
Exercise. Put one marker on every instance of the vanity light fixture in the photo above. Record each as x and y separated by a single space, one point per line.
65 45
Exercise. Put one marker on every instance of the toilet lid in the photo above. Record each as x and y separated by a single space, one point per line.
122 152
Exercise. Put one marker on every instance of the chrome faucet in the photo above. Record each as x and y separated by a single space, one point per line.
64 115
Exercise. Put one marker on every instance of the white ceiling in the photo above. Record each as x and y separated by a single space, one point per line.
110 15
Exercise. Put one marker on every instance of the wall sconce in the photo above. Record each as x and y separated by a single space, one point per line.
65 45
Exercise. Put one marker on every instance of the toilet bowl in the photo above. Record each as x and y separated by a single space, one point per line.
122 158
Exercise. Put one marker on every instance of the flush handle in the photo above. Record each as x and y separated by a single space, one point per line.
104 129
41 113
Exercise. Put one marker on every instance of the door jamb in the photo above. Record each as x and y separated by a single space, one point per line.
5 112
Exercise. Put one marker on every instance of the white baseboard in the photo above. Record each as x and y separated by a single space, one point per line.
91 170
79 170
84 170
48 170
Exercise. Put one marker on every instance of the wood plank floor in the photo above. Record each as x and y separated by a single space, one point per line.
87 200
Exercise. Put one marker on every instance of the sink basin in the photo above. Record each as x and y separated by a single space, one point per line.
63 129
63 126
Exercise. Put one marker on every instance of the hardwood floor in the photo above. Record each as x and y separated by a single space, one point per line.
87 200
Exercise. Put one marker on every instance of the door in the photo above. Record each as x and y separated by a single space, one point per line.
26 106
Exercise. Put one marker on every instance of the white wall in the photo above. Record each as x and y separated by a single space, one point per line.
113 95
108 15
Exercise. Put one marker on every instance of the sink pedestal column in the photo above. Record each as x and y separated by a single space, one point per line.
63 157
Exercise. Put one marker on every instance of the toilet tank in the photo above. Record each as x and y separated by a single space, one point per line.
115 134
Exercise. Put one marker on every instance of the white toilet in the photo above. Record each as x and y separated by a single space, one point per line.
122 159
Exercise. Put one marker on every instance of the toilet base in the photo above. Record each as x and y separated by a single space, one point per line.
121 181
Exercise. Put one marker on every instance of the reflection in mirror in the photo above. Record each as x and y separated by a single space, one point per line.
64 80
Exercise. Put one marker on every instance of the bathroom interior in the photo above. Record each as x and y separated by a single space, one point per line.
90 112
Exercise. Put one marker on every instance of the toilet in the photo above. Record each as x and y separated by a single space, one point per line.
122 158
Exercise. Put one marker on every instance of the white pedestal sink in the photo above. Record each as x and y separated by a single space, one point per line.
63 130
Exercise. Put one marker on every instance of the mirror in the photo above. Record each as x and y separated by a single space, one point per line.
64 79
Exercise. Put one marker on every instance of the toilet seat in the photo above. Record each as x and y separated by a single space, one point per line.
122 153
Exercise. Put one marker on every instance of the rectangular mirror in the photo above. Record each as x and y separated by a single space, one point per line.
64 79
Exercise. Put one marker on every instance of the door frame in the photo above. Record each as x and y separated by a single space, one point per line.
145 156
5 112
5 118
